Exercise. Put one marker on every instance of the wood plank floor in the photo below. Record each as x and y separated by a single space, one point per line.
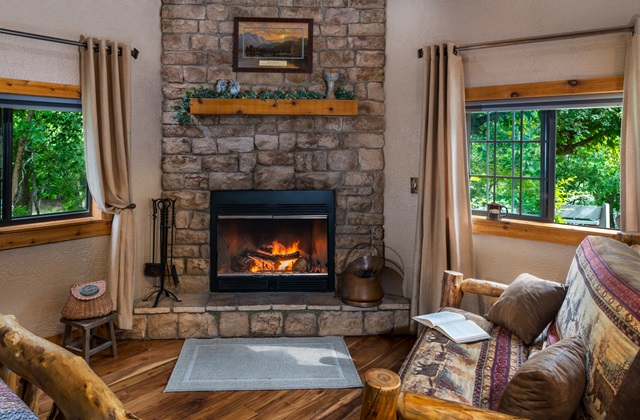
142 369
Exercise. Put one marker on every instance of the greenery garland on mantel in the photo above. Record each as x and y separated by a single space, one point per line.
230 89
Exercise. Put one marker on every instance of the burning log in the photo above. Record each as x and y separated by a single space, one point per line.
261 255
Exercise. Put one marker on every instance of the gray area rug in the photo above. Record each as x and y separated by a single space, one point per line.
236 364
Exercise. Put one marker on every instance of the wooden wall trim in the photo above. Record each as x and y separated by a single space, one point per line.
611 84
50 90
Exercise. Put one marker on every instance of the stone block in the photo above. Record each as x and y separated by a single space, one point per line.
366 74
226 44
373 16
186 251
333 30
198 266
219 302
341 15
184 58
342 160
146 307
395 302
275 158
219 58
162 326
375 92
193 74
172 181
204 146
380 322
328 123
333 59
373 123
175 42
172 74
293 124
196 181
266 323
318 180
235 145
370 58
139 328
286 142
265 127
183 11
317 141
266 142
230 181
199 221
182 219
303 161
248 162
368 4
314 13
200 325
366 42
221 163
365 219
217 12
371 159
188 236
340 323
191 303
319 160
194 284
322 302
401 322
181 164
192 200
358 179
274 178
259 78
335 3
337 43
296 78
181 131
203 43
301 324
370 108
179 26
234 324
231 130
359 204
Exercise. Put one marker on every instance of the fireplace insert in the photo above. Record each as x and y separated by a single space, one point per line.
272 241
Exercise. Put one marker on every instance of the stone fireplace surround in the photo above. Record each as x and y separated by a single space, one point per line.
343 154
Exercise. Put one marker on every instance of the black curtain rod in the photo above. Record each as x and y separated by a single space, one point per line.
134 52
543 38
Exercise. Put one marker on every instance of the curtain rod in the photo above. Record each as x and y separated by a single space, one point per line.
134 52
542 38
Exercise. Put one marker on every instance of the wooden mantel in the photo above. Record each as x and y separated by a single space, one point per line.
325 107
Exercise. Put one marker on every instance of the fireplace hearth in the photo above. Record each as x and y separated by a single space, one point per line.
272 241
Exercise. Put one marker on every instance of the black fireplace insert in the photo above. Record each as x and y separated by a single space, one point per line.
272 241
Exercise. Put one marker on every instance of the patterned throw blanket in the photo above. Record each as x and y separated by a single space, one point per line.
12 407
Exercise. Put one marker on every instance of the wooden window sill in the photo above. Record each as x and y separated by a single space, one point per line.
50 232
538 231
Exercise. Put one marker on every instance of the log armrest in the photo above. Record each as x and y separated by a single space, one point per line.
77 391
454 287
382 400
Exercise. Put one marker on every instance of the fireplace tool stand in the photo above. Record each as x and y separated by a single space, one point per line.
166 231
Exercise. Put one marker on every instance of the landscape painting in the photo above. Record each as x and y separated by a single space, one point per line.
273 45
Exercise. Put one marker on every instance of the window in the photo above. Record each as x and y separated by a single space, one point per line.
42 166
556 161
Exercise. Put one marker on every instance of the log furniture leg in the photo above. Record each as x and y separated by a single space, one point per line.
380 395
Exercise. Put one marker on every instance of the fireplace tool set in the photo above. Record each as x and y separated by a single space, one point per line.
163 239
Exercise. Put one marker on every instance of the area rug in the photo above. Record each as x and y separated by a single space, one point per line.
236 364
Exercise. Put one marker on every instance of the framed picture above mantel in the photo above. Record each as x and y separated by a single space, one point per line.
273 45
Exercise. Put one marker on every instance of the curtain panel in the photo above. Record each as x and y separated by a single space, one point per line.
105 80
443 230
630 138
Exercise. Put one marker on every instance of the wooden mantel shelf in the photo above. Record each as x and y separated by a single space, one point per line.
210 106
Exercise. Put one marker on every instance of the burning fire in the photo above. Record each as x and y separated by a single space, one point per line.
290 254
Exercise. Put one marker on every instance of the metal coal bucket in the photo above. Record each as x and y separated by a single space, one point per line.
361 279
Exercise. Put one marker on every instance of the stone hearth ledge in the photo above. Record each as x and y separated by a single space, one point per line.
210 315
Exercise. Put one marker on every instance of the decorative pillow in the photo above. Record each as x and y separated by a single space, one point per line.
527 306
550 384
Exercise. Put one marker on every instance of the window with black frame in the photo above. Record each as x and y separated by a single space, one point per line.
556 161
42 168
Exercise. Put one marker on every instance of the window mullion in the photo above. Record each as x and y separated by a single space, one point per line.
7 134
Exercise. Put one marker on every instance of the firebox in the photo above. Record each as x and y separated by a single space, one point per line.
272 241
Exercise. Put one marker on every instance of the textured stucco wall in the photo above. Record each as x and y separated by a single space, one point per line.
413 24
34 281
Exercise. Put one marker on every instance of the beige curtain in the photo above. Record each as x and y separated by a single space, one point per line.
106 106
443 231
630 138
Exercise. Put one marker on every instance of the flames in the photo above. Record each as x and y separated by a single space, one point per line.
280 253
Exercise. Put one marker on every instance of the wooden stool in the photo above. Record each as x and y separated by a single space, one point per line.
90 342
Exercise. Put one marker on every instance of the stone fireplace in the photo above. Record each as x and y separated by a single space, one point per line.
343 155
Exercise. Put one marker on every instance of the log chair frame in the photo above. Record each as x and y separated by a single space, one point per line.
29 364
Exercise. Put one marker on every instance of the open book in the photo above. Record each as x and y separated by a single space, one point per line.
455 326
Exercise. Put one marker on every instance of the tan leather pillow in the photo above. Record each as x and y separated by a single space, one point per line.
527 306
550 384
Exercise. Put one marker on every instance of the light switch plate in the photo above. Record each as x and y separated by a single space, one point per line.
414 185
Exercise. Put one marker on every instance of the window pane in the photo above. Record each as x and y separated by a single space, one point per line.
531 197
504 159
2 146
531 125
481 158
478 192
531 159
504 193
47 163
504 125
478 126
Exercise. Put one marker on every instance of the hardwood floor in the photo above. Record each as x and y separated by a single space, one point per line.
142 369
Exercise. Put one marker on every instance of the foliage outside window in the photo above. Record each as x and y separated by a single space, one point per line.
43 166
541 163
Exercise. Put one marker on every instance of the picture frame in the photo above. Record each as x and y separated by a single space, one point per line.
272 45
